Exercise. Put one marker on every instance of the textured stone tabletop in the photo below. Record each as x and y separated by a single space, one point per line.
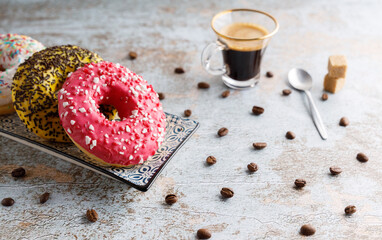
169 34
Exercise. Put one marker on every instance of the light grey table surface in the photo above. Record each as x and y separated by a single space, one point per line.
168 34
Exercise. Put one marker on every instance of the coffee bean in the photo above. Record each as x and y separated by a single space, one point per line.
203 85
161 96
226 94
203 233
344 122
257 110
290 135
187 113
227 192
324 97
171 199
269 74
44 197
307 230
179 70
286 92
91 215
362 157
335 170
7 202
222 132
133 55
18 172
350 209
252 167
259 145
211 160
300 183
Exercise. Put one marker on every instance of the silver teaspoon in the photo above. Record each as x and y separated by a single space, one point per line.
301 80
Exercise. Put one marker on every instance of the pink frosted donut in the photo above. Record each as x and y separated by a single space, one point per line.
119 143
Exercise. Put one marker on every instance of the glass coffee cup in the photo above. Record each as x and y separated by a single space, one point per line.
243 36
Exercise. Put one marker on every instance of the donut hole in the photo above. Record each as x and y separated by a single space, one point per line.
121 101
108 111
6 65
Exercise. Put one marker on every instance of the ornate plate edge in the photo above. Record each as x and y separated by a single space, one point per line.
91 167
153 178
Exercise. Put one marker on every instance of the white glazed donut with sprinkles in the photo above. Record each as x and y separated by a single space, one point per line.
14 49
134 138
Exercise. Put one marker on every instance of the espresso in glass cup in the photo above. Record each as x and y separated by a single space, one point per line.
243 36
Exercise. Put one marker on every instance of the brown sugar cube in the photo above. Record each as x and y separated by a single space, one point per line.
337 66
333 85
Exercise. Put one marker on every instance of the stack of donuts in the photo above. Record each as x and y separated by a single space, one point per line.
70 94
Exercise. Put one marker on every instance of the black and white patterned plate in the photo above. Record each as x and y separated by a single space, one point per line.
141 177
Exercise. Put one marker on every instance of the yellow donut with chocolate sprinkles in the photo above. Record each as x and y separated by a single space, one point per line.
36 83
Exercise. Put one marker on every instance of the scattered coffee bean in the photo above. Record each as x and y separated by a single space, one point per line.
324 97
7 202
362 157
300 183
18 172
187 113
91 215
227 192
203 233
286 92
226 94
344 122
133 55
269 74
257 110
335 170
350 209
307 230
161 96
222 132
179 70
171 199
44 197
211 160
203 85
252 167
259 145
290 135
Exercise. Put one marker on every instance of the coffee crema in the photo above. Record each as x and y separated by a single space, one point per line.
242 57
245 32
